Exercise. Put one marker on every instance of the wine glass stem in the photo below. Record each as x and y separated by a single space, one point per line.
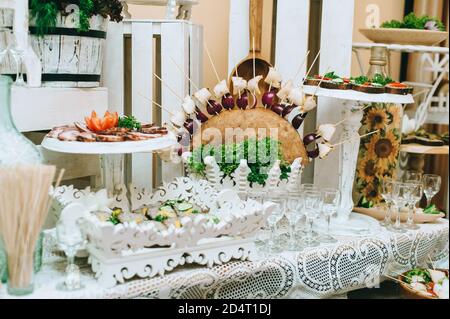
410 215
292 233
328 219
387 218
429 198
397 220
309 231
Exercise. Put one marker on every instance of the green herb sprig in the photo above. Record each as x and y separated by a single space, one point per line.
129 122
260 156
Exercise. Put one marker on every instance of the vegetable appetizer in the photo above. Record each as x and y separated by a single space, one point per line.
429 282
167 214
378 84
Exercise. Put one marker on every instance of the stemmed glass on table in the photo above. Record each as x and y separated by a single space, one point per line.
279 200
431 186
9 43
387 188
70 240
400 198
331 199
293 214
415 193
312 206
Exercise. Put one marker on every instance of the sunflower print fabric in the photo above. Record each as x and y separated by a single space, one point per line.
378 153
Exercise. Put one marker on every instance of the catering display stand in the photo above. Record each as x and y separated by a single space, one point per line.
352 111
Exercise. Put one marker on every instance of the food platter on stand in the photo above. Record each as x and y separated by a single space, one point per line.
100 148
352 95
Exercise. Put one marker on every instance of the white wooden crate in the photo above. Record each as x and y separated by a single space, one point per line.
175 39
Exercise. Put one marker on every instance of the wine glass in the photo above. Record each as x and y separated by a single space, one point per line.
70 240
293 214
400 199
312 206
17 53
331 198
414 195
387 186
273 219
4 38
431 186
412 176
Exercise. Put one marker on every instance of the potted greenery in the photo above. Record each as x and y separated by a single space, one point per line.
68 36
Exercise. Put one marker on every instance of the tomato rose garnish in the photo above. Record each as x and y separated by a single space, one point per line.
109 120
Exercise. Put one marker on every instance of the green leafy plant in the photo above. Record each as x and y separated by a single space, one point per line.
260 156
45 12
129 122
411 21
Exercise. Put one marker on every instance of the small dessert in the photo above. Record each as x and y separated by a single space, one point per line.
335 82
398 88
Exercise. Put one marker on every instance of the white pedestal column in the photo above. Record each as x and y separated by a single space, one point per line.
349 156
347 222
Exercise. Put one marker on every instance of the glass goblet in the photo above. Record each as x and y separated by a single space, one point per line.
273 219
331 199
412 176
386 192
312 206
70 240
400 199
4 38
414 195
431 186
17 53
293 215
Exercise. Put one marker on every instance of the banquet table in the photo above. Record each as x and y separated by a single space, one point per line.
327 271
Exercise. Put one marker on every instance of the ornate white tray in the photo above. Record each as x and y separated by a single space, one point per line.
125 250
360 96
238 180
127 147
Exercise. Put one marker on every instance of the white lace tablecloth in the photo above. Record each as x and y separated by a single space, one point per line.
321 272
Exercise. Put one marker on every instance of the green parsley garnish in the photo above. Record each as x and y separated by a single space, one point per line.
129 122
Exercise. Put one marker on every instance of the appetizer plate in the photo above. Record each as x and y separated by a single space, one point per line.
359 96
379 213
424 149
409 293
404 36
127 147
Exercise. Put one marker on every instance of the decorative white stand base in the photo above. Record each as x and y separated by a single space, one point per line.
150 262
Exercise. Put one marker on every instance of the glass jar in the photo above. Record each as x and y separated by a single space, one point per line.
15 149
378 61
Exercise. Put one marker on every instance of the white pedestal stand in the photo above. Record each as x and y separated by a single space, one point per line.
112 155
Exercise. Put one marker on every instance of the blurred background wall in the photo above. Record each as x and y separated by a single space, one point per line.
214 16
